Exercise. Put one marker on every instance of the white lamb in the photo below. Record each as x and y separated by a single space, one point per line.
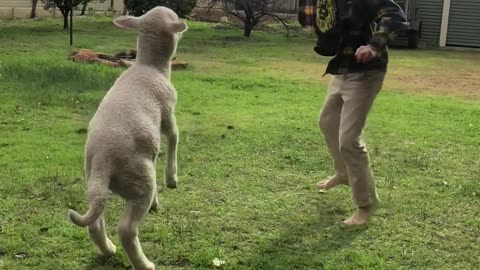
124 135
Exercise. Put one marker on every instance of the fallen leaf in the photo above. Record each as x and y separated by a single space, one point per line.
217 262
21 255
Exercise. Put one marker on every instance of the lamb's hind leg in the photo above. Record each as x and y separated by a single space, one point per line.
169 128
135 211
97 233
154 203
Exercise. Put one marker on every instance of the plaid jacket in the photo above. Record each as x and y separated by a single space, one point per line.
386 14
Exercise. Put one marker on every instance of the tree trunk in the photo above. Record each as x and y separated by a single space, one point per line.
33 13
247 30
249 24
65 20
249 21
124 12
71 25
112 8
84 7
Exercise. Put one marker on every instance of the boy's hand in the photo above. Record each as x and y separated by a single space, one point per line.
365 54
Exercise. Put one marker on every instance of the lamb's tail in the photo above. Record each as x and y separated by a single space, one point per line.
97 199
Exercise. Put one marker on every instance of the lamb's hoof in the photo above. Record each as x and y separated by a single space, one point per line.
148 266
153 208
172 181
110 251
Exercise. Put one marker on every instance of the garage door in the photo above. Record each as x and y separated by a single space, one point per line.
464 23
430 12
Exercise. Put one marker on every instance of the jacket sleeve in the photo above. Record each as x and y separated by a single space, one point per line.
389 18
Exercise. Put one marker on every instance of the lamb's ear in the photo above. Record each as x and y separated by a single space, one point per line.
179 27
127 22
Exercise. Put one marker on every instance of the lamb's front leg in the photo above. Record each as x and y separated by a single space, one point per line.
169 127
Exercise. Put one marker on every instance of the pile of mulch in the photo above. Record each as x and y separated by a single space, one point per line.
122 59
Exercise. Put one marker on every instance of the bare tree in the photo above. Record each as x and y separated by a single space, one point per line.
251 12
65 7
85 4
125 11
33 13
84 7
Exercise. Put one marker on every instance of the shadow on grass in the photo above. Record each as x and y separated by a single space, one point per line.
306 245
59 81
113 262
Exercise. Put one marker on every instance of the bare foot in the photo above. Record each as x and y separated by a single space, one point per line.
331 182
361 216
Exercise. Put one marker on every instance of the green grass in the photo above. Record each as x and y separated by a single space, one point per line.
246 195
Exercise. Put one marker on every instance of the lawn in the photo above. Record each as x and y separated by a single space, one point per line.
250 153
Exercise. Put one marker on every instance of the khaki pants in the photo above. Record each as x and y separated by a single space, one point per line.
342 120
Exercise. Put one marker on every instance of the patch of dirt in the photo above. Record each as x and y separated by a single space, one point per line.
456 81
459 83
122 59
89 56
